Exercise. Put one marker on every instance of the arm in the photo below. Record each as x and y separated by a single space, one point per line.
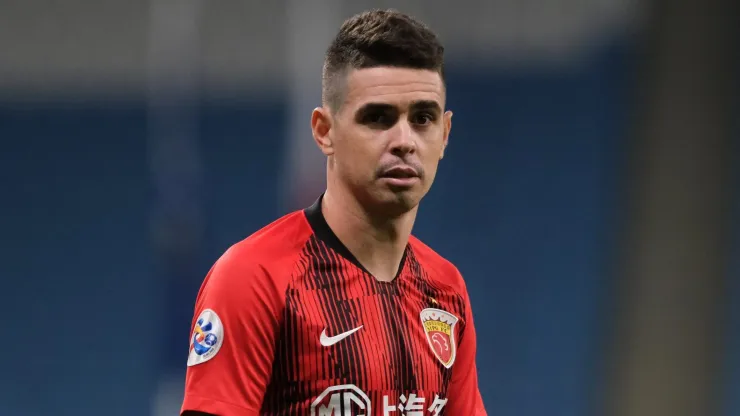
464 396
232 342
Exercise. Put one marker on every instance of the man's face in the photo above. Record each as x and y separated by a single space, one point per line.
385 141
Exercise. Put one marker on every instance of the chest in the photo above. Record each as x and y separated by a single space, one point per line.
379 337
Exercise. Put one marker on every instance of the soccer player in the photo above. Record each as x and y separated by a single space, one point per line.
336 310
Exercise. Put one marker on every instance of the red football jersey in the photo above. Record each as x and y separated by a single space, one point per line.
288 322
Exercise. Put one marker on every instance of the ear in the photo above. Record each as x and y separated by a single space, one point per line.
321 124
447 126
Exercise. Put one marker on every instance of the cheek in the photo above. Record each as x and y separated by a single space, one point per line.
356 157
430 158
432 149
430 167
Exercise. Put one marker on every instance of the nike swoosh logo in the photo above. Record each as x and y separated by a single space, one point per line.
329 341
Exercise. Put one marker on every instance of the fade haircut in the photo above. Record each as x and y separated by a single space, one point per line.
378 38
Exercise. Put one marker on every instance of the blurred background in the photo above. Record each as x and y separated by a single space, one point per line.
590 194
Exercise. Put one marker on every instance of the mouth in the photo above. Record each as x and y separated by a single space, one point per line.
400 172
401 177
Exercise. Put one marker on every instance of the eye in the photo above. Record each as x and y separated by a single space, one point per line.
375 118
423 119
379 118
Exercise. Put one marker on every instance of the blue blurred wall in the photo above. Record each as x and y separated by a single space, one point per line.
79 296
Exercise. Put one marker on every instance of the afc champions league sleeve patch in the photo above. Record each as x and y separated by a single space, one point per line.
206 339
439 327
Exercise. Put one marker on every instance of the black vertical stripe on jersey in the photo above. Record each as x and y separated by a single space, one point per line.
392 312
339 319
289 393
412 350
381 290
285 386
297 344
372 357
309 381
286 358
462 306
285 392
300 344
422 283
338 353
324 274
416 282
361 348
294 344
352 344
302 268
412 322
358 347
300 352
330 297
343 303
317 265
318 271
276 390
374 309
387 303
410 347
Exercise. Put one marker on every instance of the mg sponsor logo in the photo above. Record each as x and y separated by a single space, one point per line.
344 400
348 400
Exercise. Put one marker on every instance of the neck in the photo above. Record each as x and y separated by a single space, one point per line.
377 242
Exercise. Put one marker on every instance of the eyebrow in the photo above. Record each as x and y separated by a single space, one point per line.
372 107
415 105
426 105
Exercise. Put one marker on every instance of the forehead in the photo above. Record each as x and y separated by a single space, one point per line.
395 86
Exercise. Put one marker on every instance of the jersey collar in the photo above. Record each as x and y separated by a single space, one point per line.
324 233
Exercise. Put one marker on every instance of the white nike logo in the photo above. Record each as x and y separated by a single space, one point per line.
329 341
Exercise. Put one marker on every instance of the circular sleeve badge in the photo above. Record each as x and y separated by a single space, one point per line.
206 339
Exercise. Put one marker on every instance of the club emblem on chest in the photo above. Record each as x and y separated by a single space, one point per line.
439 327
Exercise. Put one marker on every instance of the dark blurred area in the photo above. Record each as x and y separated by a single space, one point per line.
590 195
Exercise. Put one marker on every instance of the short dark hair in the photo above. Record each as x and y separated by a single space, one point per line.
378 38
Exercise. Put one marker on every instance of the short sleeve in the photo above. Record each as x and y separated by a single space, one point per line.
464 395
233 337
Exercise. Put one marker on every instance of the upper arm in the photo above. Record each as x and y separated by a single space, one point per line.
232 342
463 394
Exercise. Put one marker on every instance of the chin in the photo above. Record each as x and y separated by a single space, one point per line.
396 202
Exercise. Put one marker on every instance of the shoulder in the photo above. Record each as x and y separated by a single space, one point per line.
439 269
284 237
268 254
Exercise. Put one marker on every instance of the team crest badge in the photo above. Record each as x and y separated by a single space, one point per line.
206 339
439 327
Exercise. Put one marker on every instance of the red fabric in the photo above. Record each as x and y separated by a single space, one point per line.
279 290
245 290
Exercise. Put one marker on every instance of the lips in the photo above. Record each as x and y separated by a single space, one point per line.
400 172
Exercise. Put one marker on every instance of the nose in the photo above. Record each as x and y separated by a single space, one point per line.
404 140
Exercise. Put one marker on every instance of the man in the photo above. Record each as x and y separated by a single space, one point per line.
337 310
